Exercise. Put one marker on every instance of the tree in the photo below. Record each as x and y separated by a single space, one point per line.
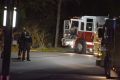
58 22
40 12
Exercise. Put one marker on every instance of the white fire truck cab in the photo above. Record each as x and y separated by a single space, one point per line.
79 32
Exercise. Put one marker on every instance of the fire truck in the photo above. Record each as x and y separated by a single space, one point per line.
79 33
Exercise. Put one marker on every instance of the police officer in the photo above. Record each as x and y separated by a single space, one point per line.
19 42
109 39
26 42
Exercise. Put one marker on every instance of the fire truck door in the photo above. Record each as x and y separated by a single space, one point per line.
66 28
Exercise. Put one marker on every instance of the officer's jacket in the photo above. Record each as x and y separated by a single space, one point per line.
25 40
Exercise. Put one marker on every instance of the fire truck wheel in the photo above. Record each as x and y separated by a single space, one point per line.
78 48
81 47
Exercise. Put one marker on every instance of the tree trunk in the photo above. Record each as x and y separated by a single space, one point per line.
58 23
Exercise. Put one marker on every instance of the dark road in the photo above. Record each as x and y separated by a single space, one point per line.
56 66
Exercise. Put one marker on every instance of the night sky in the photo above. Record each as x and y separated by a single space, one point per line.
44 12
91 7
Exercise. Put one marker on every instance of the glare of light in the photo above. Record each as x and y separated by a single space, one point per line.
114 69
5 17
70 54
95 53
14 17
15 8
5 7
89 56
89 43
91 49
96 77
100 54
70 43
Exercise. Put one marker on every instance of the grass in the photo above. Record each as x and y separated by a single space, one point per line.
59 49
50 49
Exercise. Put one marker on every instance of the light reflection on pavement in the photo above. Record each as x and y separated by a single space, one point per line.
56 66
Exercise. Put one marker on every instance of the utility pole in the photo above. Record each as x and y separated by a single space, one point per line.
58 22
7 41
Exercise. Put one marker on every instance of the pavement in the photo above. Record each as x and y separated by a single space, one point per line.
56 66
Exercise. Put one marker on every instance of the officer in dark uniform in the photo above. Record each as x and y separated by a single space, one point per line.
19 42
109 41
26 42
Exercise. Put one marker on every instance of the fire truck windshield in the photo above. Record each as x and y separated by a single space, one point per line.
74 24
89 26
73 29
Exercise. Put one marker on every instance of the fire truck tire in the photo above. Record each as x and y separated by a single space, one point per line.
81 47
78 48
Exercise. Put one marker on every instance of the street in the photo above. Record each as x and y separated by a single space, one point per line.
56 66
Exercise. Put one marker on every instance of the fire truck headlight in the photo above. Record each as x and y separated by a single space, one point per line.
95 54
67 43
91 49
100 54
72 44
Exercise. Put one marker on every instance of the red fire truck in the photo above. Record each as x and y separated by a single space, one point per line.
79 32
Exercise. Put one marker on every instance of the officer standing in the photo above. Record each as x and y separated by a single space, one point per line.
19 42
26 42
110 29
